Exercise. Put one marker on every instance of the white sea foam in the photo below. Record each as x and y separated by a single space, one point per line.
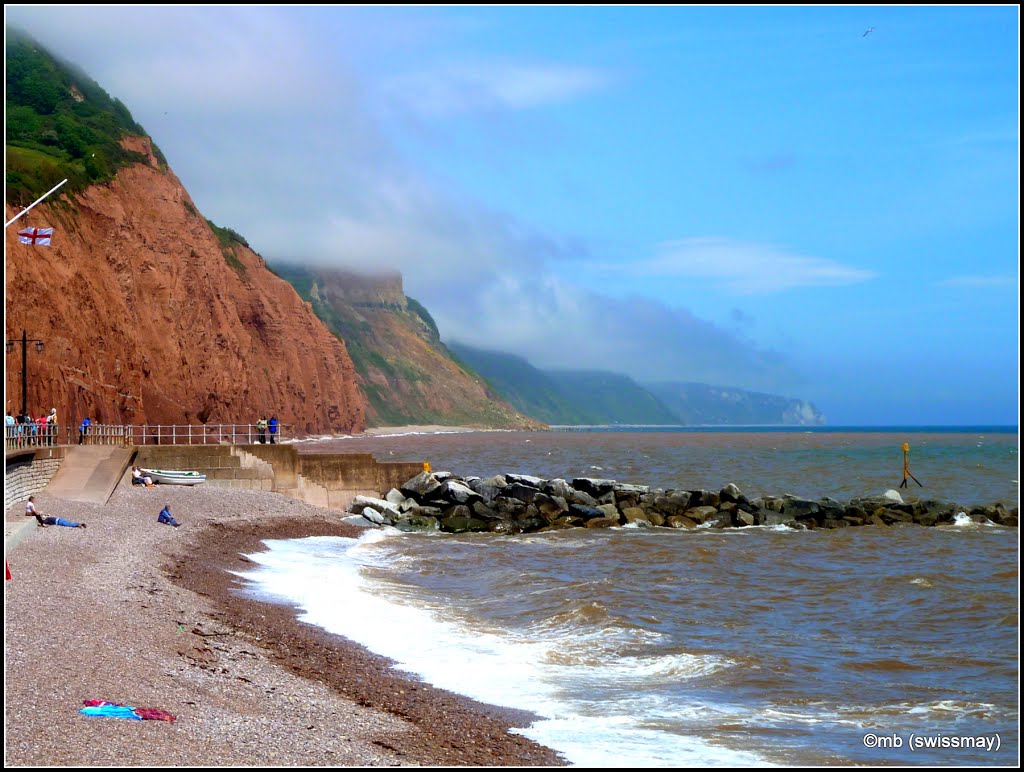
322 577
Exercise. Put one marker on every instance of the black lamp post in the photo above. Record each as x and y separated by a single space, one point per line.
25 340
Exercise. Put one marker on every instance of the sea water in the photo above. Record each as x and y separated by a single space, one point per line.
659 647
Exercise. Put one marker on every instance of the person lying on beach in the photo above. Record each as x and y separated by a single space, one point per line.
139 479
165 516
45 520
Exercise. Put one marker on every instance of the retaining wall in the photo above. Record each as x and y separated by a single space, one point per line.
328 480
27 472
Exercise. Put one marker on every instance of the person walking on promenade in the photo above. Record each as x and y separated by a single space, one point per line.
272 426
261 428
165 516
45 520
83 430
10 430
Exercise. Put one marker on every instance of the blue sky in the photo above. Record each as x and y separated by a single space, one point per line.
761 197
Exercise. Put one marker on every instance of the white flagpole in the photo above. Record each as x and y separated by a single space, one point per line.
25 210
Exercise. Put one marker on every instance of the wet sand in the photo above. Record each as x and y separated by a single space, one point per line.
138 613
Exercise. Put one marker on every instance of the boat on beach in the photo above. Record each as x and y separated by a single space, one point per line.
174 477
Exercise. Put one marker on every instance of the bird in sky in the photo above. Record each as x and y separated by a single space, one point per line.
868 31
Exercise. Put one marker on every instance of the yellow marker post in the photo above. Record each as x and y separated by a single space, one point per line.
906 467
426 467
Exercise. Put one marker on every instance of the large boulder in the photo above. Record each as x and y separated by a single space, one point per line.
680 521
459 519
525 493
603 522
525 479
729 493
380 511
421 486
593 486
701 514
558 487
453 491
417 523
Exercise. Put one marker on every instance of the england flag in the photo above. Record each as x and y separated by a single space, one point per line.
36 236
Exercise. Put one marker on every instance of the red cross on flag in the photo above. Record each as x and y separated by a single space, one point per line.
36 236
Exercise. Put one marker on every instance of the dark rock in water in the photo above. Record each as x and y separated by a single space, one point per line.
459 519
676 502
830 509
680 521
525 479
508 509
559 487
625 500
584 499
745 519
496 481
506 527
770 517
550 507
729 493
375 510
890 515
484 512
603 522
609 510
831 522
453 490
707 499
631 490
720 520
727 506
417 523
525 493
421 486
876 519
655 517
871 503
568 522
584 512
635 514
593 487
800 509
853 520
701 514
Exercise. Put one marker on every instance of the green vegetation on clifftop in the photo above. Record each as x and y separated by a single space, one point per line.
60 124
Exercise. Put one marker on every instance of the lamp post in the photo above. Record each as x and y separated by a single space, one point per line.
25 340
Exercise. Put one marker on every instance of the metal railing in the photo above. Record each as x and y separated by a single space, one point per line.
32 435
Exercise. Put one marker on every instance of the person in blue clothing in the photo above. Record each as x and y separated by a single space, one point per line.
45 520
83 430
272 426
165 516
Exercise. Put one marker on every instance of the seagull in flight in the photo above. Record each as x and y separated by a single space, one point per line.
868 31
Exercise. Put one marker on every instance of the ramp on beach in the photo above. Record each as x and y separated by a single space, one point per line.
90 473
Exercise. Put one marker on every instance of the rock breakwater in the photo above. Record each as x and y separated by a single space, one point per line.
517 503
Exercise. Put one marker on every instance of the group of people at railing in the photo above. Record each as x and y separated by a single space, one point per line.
26 430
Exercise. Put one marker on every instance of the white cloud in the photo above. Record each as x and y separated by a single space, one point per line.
489 86
745 268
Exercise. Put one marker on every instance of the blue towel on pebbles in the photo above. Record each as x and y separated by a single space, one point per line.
111 711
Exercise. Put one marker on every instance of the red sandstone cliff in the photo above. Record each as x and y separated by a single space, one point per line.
146 318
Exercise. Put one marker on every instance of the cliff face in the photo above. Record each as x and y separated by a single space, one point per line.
148 317
406 373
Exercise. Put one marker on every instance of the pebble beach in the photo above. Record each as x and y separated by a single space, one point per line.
137 613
